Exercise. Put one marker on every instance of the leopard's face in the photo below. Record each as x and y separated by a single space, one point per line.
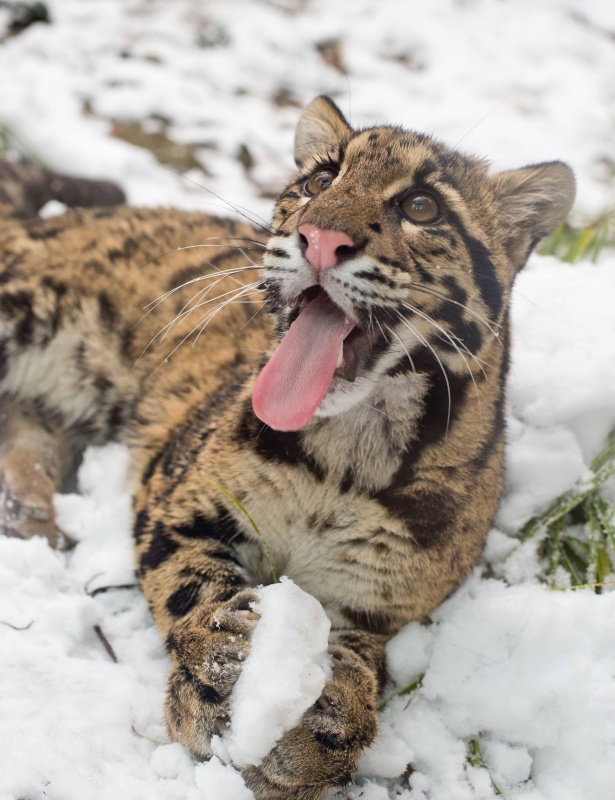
389 251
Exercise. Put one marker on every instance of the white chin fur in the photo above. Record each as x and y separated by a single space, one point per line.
343 395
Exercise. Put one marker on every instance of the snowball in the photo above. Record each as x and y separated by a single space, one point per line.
282 677
219 781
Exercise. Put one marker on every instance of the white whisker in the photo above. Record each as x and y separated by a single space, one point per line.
455 341
235 293
219 273
434 293
211 314
215 311
377 410
241 210
424 341
438 327
399 339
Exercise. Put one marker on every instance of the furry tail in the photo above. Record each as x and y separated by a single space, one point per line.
25 188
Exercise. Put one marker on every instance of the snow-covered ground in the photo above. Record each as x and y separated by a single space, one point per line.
519 686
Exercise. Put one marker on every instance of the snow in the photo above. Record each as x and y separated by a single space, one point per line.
282 677
529 669
522 671
218 781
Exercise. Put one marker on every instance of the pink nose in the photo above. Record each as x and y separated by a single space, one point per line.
321 252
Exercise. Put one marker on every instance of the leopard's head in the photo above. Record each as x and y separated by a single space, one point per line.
390 248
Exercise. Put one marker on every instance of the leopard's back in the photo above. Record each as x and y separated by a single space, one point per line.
97 305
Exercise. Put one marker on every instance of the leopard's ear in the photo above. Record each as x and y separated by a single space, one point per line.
321 126
533 202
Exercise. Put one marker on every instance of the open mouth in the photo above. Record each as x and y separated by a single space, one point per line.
355 344
321 344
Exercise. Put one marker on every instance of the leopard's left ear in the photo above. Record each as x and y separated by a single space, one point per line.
321 126
533 201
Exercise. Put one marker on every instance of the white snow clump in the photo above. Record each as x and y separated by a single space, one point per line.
282 677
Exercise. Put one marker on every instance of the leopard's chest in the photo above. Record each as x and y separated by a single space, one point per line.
343 548
313 498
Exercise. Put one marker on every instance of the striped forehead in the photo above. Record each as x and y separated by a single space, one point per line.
387 157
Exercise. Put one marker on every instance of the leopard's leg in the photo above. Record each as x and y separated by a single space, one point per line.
199 590
323 751
36 451
200 596
55 398
34 460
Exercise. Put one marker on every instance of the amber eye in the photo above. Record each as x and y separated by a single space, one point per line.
420 207
319 181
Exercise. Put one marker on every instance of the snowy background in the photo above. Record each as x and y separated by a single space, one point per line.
518 694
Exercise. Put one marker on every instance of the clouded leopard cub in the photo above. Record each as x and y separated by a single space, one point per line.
350 395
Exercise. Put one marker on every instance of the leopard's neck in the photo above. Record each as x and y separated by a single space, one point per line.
365 445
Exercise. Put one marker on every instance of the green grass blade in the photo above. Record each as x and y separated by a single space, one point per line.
407 690
580 245
244 511
570 244
602 467
475 759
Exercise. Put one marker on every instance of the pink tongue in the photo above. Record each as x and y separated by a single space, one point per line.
296 378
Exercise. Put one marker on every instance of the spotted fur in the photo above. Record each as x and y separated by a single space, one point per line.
379 506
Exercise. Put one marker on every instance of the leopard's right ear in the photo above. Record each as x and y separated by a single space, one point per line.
321 126
534 200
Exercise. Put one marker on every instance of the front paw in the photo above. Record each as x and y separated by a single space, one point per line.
26 503
208 653
324 750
